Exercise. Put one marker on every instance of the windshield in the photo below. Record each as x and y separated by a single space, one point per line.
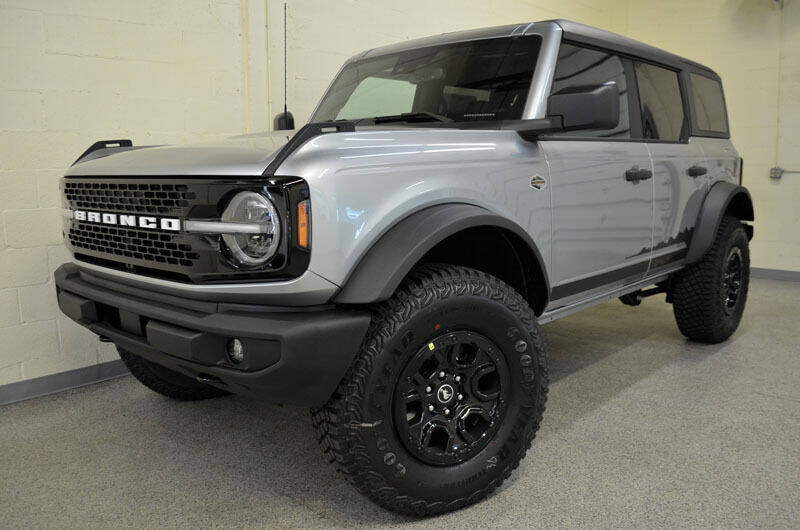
465 81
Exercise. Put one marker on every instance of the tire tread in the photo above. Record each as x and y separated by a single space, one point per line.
342 445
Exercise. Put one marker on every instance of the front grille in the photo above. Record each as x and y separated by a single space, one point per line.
176 255
158 247
163 199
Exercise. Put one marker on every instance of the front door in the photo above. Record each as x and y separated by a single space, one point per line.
601 186
602 197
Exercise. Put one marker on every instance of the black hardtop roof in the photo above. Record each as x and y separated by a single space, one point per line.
591 36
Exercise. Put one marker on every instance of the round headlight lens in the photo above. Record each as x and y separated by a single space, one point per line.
260 224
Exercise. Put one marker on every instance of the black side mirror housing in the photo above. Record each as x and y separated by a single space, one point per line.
283 121
586 107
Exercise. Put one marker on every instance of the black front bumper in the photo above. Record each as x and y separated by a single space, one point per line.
292 355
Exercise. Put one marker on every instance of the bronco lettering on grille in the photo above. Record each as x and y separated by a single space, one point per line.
137 221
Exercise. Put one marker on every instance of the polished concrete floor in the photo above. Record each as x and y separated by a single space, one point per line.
642 429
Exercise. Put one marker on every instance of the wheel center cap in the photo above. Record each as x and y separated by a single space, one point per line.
445 393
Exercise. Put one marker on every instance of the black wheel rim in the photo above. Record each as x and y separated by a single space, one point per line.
451 398
732 277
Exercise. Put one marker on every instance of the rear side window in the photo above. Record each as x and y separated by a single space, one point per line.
661 104
709 104
578 66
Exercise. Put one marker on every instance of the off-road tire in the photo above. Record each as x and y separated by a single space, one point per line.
167 382
356 429
698 290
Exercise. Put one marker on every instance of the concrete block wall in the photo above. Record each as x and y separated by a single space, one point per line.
181 71
74 72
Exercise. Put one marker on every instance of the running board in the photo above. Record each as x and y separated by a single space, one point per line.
559 312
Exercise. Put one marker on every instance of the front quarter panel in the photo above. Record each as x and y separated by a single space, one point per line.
362 183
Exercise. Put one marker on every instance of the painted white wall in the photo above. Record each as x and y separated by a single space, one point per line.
170 71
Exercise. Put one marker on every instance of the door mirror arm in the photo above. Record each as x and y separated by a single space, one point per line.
576 108
531 129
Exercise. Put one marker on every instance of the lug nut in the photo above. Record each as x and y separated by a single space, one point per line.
446 412
442 374
460 397
428 389
430 408
458 379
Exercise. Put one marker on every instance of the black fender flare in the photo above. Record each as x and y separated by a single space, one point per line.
721 198
384 265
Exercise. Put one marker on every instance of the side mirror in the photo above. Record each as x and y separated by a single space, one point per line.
586 107
283 121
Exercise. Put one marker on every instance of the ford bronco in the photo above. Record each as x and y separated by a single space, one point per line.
391 264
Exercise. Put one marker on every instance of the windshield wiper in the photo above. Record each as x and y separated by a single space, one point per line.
411 117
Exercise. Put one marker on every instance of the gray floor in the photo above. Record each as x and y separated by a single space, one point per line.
642 429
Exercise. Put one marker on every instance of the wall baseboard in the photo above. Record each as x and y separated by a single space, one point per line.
775 274
50 384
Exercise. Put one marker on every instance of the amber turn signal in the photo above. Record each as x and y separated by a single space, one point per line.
302 223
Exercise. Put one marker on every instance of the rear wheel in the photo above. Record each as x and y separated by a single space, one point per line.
167 382
709 296
445 396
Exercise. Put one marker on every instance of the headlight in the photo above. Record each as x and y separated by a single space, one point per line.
260 224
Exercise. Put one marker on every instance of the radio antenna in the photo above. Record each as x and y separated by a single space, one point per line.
284 120
285 61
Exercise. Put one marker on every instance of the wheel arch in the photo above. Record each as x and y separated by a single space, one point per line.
724 198
454 233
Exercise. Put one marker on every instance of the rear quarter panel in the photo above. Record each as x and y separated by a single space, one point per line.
721 157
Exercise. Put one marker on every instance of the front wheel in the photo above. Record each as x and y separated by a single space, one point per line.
709 296
445 396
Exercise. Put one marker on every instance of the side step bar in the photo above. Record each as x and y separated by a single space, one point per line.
562 311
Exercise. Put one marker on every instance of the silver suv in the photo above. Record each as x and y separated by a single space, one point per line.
390 265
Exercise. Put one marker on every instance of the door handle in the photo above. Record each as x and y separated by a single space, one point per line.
696 171
635 174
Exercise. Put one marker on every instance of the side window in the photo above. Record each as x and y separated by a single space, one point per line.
709 104
661 104
376 96
577 66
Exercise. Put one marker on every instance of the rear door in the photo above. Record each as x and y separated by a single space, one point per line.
602 221
680 169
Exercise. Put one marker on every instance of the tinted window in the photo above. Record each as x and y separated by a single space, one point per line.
378 95
578 66
708 104
466 81
661 104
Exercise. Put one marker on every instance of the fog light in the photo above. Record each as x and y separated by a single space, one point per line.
235 351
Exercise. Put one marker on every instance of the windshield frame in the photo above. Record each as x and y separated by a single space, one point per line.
536 102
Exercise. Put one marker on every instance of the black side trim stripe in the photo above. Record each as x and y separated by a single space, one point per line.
593 282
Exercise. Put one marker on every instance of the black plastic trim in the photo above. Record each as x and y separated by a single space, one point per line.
105 144
716 203
381 269
300 356
212 195
309 131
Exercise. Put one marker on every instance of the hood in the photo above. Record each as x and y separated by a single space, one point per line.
241 156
